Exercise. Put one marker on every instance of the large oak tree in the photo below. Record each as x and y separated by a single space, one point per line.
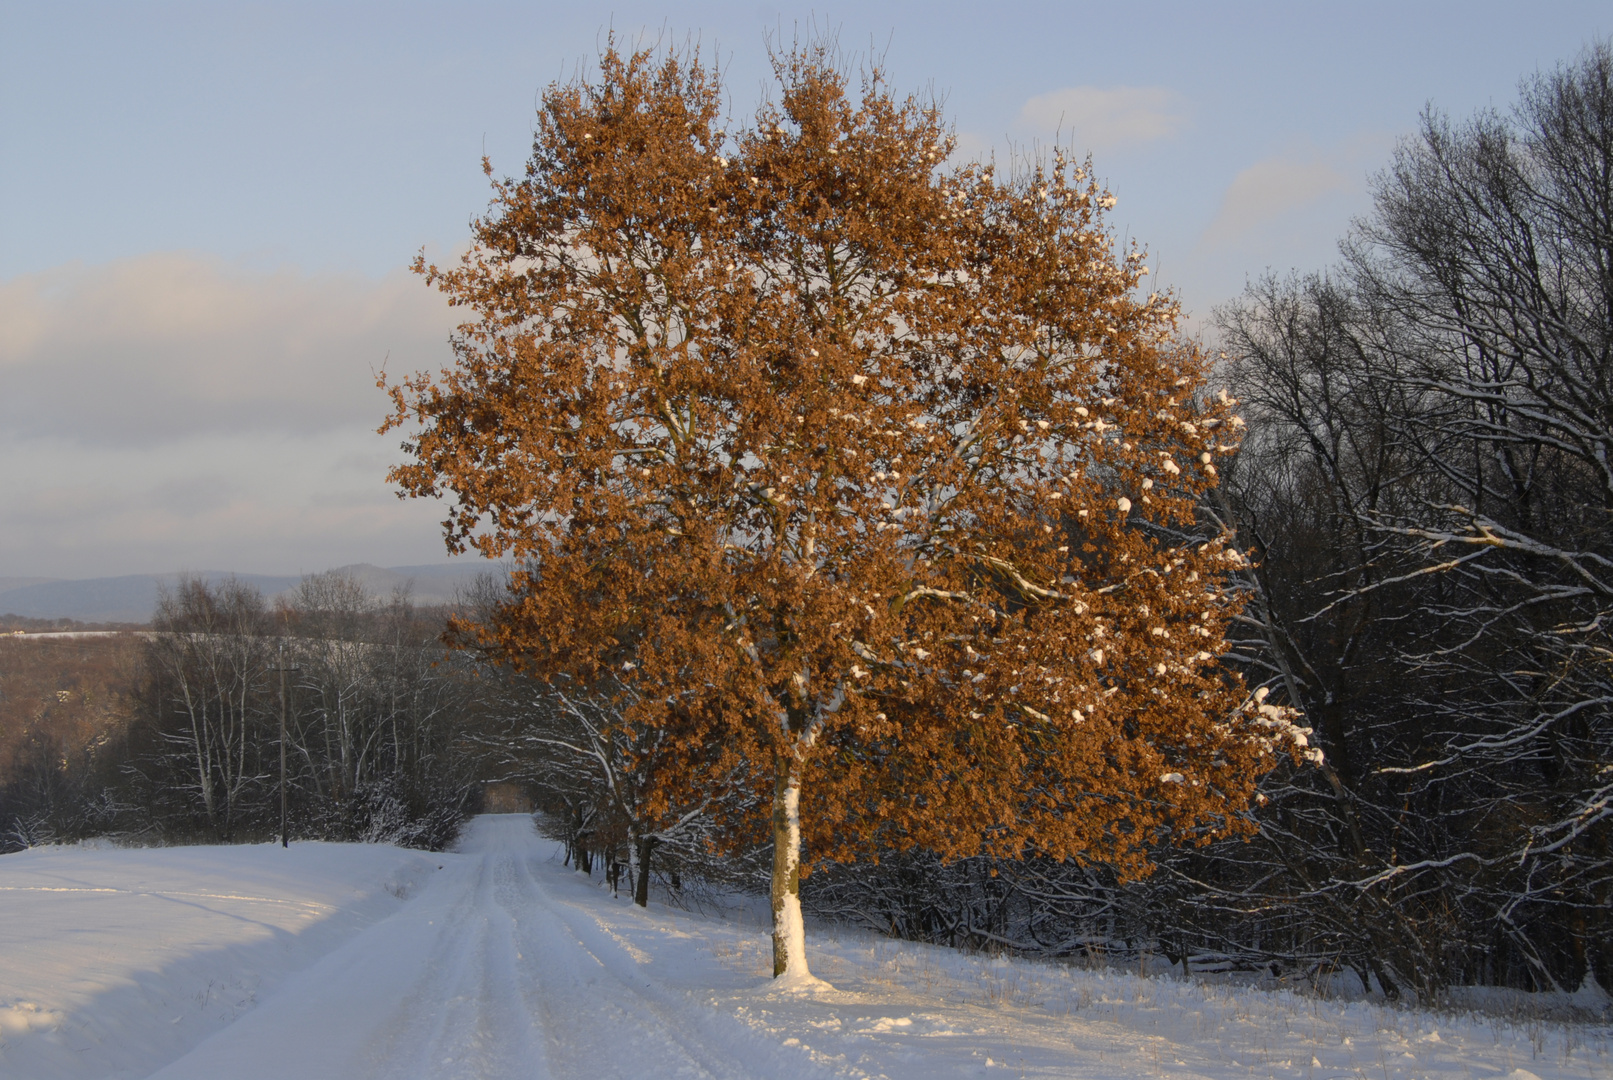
869 478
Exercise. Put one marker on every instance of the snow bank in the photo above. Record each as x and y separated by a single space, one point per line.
934 1005
348 962
116 961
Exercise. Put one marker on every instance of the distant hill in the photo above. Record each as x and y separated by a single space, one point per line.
133 597
7 583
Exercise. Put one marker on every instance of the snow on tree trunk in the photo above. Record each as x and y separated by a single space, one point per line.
789 932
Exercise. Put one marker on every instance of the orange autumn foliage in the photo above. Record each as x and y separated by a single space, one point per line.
858 469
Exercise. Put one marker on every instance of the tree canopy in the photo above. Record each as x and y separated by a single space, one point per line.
865 479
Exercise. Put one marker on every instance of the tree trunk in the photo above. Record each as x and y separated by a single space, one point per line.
789 934
641 885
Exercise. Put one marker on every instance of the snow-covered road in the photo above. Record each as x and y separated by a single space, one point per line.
499 968
353 961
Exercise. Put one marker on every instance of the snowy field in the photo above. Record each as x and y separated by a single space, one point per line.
350 961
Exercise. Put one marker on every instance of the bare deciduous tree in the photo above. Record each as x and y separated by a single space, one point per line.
1433 486
211 658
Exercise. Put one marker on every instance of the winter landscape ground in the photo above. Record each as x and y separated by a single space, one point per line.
351 961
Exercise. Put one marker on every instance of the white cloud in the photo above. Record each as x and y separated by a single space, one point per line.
1286 210
1098 118
971 146
1270 190
249 502
173 411
166 347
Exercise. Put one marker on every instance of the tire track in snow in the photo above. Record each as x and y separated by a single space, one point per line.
465 1018
489 974
607 1016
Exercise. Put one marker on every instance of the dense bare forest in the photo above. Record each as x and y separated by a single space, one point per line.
174 732
1428 491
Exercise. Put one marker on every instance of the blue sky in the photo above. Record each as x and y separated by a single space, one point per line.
205 209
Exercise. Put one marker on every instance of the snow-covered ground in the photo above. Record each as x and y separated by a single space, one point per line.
352 961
